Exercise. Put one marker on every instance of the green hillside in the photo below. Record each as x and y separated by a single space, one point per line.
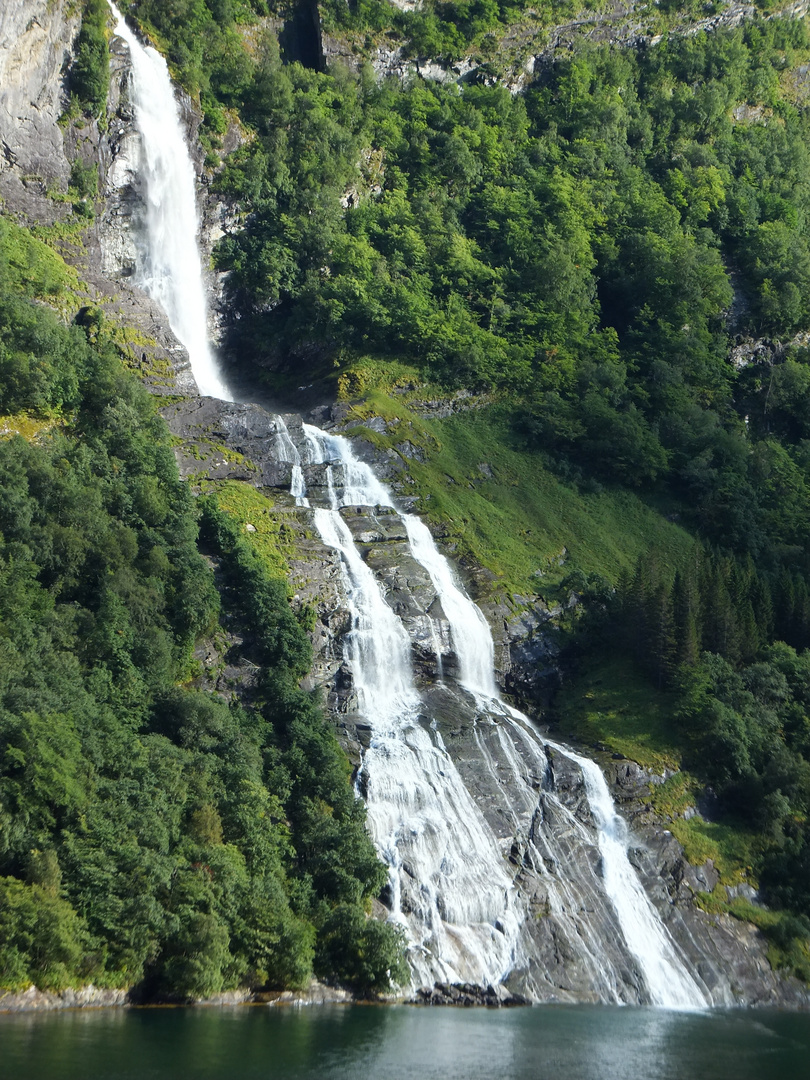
609 268
152 835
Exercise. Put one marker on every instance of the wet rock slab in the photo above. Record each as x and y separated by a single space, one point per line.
468 994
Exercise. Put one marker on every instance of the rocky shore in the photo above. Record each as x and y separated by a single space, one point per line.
93 997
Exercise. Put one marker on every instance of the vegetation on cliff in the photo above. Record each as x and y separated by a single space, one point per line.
90 71
152 835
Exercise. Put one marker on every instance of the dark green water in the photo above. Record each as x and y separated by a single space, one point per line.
400 1043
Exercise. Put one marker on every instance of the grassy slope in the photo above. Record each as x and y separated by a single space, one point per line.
522 523
606 702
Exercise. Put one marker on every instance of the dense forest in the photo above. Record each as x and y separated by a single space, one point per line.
152 835
582 255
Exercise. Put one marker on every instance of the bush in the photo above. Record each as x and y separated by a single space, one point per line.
42 940
90 73
362 953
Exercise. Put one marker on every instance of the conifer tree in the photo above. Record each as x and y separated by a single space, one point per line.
686 616
661 641
762 603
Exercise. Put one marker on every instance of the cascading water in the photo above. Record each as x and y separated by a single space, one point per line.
461 920
170 270
469 628
451 885
404 775
667 981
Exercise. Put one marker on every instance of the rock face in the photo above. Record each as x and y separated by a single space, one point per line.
87 997
35 43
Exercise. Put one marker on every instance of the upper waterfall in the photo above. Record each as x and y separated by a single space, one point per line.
170 271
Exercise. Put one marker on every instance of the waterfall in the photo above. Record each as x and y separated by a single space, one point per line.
470 630
669 982
413 789
170 270
461 920
452 886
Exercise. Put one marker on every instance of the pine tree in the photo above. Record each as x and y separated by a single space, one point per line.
721 633
762 603
686 615
661 643
785 604
801 613
749 639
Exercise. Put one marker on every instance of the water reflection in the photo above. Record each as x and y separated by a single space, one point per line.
402 1043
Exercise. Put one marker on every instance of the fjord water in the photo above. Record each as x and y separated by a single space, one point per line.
403 1043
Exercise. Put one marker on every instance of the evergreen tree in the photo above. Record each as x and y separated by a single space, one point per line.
686 615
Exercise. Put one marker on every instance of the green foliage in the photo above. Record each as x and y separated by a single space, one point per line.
151 834
90 72
201 41
609 705
363 953
30 265
84 179
42 941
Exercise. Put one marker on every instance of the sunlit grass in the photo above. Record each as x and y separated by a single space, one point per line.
270 531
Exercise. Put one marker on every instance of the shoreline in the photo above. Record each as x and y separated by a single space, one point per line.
90 998
34 1000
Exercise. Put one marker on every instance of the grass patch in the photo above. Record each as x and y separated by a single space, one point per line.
788 935
675 796
501 506
275 532
369 375
33 266
30 428
733 850
608 704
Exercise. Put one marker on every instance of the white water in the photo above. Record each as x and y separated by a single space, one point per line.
668 982
170 272
359 484
288 451
417 804
470 630
421 816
